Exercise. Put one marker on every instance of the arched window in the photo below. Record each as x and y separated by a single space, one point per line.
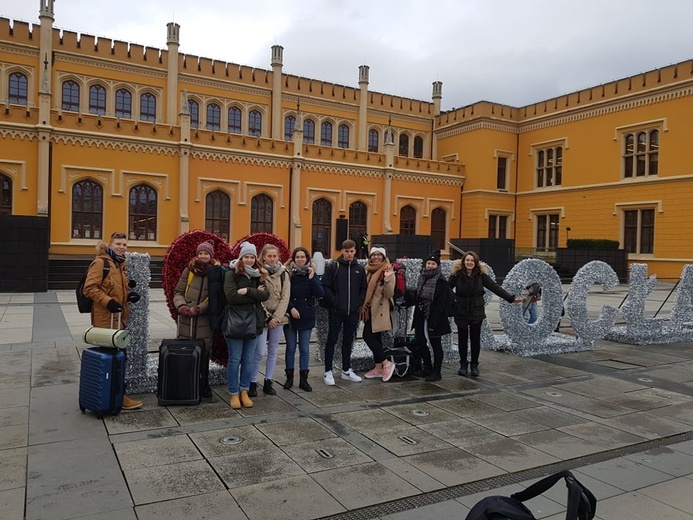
143 213
213 117
321 226
123 106
19 88
261 214
373 139
218 214
309 131
70 96
358 221
97 100
326 134
438 228
407 220
255 123
343 136
418 147
194 109
403 145
5 195
87 210
235 120
148 107
289 125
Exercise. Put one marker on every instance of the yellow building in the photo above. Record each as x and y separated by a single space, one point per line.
99 135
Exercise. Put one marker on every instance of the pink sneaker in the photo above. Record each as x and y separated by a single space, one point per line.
374 373
388 370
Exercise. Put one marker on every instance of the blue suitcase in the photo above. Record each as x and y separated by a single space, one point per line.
102 381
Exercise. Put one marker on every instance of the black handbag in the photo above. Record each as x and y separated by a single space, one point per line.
240 324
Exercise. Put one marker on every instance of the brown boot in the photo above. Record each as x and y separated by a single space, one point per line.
245 400
235 402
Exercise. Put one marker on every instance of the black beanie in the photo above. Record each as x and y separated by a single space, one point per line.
435 256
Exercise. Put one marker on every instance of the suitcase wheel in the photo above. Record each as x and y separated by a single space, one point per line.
99 416
82 409
116 411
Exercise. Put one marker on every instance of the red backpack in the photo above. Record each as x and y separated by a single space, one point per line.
400 281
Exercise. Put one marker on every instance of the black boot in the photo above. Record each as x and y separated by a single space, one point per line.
267 388
475 370
303 381
433 376
289 378
252 391
463 369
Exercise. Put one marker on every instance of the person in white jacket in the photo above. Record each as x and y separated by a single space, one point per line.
278 284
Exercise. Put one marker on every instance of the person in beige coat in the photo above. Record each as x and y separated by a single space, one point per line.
376 311
278 284
191 298
111 293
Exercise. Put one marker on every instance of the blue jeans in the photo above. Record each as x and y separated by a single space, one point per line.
267 344
530 313
303 347
241 354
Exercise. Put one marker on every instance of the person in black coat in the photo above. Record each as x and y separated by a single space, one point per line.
431 323
305 288
468 279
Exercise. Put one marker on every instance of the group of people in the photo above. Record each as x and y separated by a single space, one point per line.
280 299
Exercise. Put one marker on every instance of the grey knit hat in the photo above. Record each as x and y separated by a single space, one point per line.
247 249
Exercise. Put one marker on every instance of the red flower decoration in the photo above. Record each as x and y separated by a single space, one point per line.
177 257
259 240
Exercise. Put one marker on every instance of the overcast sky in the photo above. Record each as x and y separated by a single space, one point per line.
514 52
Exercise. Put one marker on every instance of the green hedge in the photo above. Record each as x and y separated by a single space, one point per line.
592 243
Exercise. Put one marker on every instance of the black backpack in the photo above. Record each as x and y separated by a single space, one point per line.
582 504
85 304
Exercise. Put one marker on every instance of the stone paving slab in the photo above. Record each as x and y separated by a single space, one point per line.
407 441
15 397
453 466
460 432
55 367
559 444
648 425
65 478
252 439
255 467
295 431
506 401
370 420
146 418
412 474
510 454
508 424
341 454
552 417
433 413
150 453
12 504
603 435
172 481
625 474
679 412
218 505
297 497
364 485
448 509
13 464
637 505
665 460
676 493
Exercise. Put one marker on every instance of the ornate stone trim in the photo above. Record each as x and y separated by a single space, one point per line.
425 178
17 133
239 158
111 65
16 170
22 50
226 84
106 175
334 196
160 180
116 144
478 124
377 112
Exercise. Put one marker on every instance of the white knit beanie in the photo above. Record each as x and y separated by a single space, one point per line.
247 249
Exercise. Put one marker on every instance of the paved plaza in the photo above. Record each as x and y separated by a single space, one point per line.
620 417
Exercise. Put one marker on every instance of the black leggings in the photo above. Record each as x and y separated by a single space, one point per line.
374 340
436 346
475 339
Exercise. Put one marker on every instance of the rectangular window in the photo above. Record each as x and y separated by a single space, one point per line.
638 231
502 183
497 226
547 232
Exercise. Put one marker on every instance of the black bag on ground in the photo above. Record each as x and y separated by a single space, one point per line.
402 354
582 504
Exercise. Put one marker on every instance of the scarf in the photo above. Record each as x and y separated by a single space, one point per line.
374 273
197 267
427 283
273 268
300 270
252 272
119 259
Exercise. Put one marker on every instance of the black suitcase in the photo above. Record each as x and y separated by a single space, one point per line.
102 381
181 363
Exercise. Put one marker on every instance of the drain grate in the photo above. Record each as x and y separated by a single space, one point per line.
434 497
230 440
420 413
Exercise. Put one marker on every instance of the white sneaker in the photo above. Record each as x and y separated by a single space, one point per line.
329 379
349 375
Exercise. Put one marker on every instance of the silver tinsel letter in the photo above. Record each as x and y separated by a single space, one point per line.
137 378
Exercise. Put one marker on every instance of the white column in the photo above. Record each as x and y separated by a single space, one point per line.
172 43
362 141
46 16
277 63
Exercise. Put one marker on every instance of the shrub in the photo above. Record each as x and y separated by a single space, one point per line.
592 243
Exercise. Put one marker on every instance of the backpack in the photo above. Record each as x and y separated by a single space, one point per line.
333 275
582 504
400 271
403 355
85 304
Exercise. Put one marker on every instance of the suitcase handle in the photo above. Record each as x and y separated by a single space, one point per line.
193 319
120 314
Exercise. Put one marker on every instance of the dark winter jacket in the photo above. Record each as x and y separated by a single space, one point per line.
438 319
469 292
252 300
217 299
304 291
345 286
193 294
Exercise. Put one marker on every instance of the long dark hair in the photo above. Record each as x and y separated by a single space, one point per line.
475 256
